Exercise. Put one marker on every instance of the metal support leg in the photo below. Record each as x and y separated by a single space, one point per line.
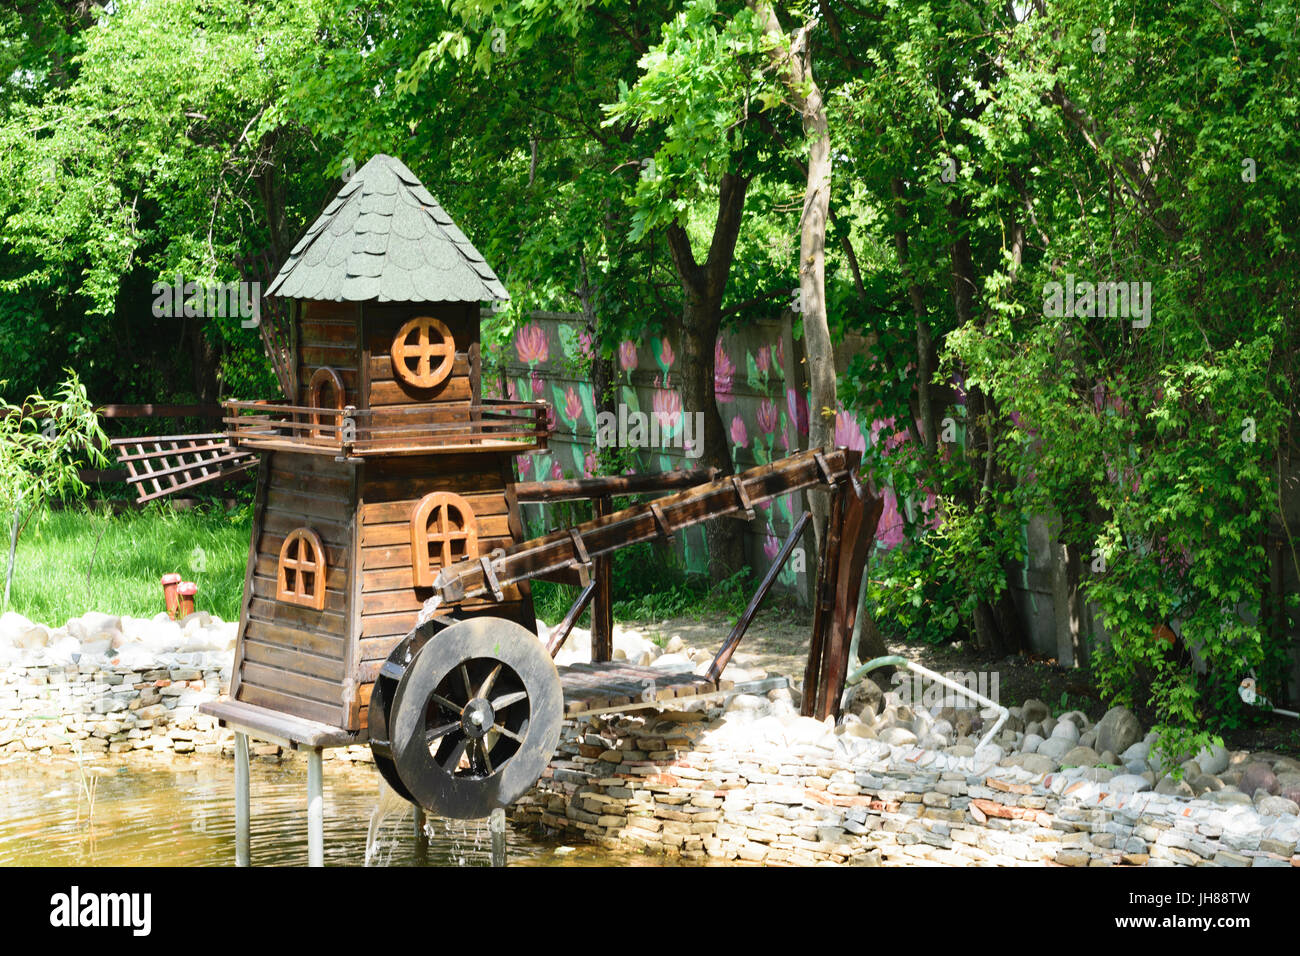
241 800
497 827
315 809
421 838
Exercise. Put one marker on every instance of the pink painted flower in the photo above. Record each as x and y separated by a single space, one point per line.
551 420
512 390
667 405
847 432
767 417
537 385
627 355
530 344
890 530
723 372
763 360
771 546
586 343
589 464
557 473
666 354
524 463
739 436
780 352
572 404
797 402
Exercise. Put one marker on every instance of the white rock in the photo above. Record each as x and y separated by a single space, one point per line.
1055 747
1129 783
89 626
679 662
1213 759
1137 753
1066 730
1031 743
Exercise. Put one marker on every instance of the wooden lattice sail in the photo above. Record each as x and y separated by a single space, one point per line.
164 464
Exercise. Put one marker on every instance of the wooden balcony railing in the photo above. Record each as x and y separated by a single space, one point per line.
353 432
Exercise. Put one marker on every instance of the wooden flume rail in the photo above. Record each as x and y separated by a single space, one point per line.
850 532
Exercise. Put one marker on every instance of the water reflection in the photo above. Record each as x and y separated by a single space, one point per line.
165 812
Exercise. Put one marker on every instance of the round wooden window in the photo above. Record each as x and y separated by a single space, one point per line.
423 352
325 378
301 578
443 531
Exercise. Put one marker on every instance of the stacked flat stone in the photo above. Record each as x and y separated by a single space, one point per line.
760 785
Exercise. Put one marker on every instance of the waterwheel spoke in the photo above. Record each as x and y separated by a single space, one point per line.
444 730
445 704
464 676
452 760
505 700
507 733
491 679
483 752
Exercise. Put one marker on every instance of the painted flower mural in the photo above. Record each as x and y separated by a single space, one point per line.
586 343
797 402
739 434
724 371
627 355
848 434
530 344
557 473
763 360
524 464
771 545
572 405
589 464
668 405
890 530
769 419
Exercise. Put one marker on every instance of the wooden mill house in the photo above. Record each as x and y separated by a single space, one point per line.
390 464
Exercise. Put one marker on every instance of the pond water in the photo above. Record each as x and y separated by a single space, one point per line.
160 812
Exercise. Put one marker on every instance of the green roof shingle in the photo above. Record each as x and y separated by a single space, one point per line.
384 238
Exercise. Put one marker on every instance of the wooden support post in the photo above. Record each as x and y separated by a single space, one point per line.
242 810
733 639
561 631
857 533
602 611
825 598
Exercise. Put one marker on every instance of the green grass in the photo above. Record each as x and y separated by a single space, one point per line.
73 561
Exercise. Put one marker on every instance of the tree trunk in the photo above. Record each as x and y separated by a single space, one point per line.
794 65
703 287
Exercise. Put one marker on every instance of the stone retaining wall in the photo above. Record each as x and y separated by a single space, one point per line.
695 786
96 708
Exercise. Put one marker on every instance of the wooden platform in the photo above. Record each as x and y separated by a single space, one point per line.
277 728
592 688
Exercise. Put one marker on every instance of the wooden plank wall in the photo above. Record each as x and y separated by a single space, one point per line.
390 491
294 659
328 335
386 392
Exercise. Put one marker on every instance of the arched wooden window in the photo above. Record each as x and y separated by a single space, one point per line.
423 352
301 576
443 530
325 391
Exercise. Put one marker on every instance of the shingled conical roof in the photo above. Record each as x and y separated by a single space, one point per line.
384 238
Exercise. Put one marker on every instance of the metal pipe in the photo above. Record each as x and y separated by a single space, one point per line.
315 809
242 842
896 660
